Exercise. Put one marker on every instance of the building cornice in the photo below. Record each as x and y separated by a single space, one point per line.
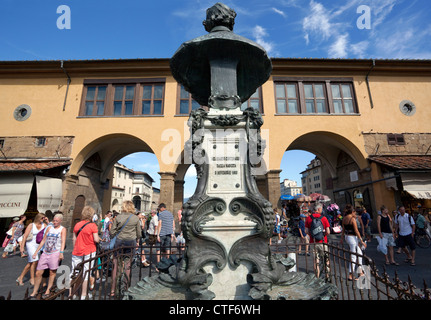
151 67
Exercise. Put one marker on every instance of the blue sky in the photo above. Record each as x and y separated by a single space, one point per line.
399 29
379 29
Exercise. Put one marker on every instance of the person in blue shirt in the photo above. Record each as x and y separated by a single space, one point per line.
303 235
366 220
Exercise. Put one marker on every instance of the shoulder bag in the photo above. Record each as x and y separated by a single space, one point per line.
114 239
39 236
81 229
30 235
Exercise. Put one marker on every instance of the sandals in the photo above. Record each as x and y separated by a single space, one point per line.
350 278
395 263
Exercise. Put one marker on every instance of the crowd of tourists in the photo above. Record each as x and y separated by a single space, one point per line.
43 242
315 222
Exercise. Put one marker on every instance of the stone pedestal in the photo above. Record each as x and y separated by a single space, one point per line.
227 223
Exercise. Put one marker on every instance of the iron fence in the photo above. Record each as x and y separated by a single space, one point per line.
110 273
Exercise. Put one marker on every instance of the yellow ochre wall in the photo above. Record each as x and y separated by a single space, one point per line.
42 86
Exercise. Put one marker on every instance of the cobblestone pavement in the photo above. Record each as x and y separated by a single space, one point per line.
12 267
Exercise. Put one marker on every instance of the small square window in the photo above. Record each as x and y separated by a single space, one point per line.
396 139
40 142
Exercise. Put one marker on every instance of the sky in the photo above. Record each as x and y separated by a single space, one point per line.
133 29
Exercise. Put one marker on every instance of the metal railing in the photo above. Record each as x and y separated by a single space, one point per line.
112 272
370 284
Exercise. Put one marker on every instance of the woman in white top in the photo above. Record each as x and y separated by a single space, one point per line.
31 246
53 244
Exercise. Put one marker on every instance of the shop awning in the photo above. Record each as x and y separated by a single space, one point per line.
417 184
49 193
14 195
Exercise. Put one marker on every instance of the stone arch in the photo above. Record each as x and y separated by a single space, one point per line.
137 202
90 170
327 146
110 148
115 205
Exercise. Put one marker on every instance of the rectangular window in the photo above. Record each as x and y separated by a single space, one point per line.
95 101
123 97
342 98
186 102
1 143
254 101
314 96
40 142
396 139
152 99
287 97
315 99
123 100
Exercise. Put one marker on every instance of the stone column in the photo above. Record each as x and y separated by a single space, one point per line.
167 189
262 184
273 187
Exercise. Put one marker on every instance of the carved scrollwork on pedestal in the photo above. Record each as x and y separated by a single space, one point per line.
201 249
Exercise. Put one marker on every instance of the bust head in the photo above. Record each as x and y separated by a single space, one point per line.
219 15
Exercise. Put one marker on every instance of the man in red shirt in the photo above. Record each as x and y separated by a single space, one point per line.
320 248
85 237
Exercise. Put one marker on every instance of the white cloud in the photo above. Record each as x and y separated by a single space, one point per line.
339 48
359 49
259 33
380 10
318 21
307 39
281 13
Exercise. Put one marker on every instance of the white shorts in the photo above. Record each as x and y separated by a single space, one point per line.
87 266
390 238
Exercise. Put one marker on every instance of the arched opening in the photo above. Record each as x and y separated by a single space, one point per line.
92 175
115 205
326 163
145 184
137 202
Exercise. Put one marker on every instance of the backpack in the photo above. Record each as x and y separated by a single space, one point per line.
316 228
